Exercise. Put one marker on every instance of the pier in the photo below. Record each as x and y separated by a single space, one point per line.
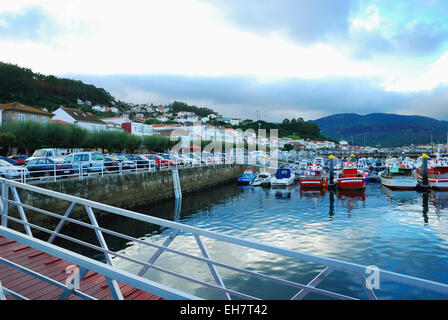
23 241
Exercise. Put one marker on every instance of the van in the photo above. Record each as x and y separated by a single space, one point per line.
51 153
90 161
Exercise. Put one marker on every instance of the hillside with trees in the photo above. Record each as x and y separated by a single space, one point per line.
35 89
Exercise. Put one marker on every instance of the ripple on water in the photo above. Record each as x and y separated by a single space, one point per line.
394 231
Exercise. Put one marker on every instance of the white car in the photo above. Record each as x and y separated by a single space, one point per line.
10 171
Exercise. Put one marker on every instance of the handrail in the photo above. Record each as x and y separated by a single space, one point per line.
334 264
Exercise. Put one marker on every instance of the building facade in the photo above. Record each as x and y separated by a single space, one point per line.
17 112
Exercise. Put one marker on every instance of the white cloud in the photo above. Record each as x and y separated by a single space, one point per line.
172 37
434 76
371 20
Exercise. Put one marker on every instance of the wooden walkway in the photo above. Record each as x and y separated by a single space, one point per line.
32 288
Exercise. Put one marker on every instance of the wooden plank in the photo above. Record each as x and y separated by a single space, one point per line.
33 288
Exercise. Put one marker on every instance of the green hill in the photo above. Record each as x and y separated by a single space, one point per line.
383 129
35 89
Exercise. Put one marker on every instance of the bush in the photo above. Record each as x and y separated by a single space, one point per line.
7 140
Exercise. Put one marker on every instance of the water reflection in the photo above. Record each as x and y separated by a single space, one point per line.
401 196
351 198
387 230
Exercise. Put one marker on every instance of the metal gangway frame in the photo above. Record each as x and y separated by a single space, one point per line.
10 198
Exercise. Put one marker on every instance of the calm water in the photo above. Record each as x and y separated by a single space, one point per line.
401 231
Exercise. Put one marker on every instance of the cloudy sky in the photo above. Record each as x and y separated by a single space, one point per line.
285 58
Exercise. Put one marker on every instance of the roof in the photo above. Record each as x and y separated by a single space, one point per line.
61 122
23 108
79 115
165 125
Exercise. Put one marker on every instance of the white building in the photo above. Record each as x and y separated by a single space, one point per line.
343 144
79 118
138 129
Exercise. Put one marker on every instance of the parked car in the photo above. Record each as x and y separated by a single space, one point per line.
188 160
126 164
13 162
20 158
140 161
89 161
10 171
43 153
111 164
174 158
39 167
161 161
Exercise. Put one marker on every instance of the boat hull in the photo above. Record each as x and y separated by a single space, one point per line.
436 183
400 183
310 182
355 183
282 182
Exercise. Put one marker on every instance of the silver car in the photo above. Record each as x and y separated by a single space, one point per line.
10 171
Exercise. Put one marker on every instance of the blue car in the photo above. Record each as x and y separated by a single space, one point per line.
48 167
13 162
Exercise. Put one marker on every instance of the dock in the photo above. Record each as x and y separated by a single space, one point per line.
29 287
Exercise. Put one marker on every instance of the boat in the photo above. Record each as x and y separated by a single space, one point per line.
350 178
283 177
263 178
399 175
375 168
315 177
437 173
247 177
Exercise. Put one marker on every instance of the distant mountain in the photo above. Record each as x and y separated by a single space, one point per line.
383 129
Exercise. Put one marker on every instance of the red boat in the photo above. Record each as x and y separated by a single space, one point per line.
437 174
350 178
315 177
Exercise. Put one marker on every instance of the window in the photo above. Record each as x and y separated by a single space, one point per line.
33 118
97 156
68 159
21 117
44 120
80 157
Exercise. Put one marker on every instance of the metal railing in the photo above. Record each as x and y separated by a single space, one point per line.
58 171
10 199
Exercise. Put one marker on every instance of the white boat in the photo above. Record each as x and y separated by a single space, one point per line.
264 178
283 177
398 175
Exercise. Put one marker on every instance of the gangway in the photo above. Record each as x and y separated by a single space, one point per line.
29 237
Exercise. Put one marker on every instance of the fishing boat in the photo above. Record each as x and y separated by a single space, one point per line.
283 177
350 178
247 177
263 178
315 177
399 175
437 173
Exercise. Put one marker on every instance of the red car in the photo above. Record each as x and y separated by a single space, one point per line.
19 158
159 160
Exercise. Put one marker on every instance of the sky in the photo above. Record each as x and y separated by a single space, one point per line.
282 58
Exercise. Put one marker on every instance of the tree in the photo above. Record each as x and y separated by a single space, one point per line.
7 140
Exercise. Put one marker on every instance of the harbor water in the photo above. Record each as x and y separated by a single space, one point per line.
400 231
